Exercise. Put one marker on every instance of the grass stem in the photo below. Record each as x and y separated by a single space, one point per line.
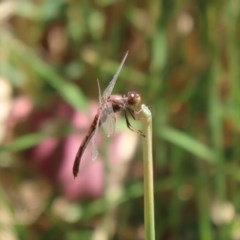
145 117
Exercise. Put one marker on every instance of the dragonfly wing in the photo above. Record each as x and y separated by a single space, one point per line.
94 151
108 120
111 85
109 125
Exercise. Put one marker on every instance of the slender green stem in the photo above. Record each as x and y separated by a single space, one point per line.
145 117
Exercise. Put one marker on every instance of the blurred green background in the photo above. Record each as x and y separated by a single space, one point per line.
184 60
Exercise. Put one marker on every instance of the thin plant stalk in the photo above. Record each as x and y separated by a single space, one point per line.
145 117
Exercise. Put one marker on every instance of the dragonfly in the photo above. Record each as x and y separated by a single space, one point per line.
105 116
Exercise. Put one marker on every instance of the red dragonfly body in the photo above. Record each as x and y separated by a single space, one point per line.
109 105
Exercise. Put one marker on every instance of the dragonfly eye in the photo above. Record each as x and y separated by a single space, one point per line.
133 98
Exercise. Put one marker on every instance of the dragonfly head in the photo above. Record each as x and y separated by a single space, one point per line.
133 98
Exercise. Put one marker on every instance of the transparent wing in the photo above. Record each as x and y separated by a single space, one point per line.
99 91
108 121
94 150
111 85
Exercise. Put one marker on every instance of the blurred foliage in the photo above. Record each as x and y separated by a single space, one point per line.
184 59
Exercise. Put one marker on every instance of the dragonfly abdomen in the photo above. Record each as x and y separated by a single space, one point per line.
84 144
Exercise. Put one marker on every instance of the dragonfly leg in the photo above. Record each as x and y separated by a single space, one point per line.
134 113
131 113
129 124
